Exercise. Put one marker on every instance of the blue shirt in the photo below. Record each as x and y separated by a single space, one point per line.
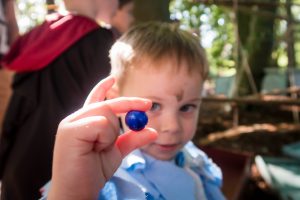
192 175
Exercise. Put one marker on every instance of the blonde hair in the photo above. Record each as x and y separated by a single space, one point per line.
157 41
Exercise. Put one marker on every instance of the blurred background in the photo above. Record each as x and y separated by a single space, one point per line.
266 30
250 115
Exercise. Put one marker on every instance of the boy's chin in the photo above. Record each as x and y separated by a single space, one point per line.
162 155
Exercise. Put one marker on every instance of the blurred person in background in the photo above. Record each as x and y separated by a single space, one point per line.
56 64
123 18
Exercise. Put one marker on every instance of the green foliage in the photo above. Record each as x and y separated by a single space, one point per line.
30 13
263 33
214 26
213 23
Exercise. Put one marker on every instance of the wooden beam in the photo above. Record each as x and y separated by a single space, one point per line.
254 101
245 3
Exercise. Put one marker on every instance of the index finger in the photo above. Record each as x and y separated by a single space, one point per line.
125 104
116 106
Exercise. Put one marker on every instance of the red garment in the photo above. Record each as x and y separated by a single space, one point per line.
36 49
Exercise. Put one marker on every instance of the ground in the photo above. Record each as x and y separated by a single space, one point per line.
261 130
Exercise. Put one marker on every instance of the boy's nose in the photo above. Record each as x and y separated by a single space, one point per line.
170 124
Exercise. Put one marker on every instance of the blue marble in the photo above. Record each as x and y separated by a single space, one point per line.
136 120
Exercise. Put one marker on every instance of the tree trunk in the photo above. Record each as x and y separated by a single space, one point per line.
257 38
50 6
290 36
50 2
154 10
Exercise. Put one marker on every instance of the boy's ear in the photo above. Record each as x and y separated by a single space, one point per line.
113 92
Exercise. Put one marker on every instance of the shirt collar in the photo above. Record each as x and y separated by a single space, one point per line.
190 156
137 160
133 161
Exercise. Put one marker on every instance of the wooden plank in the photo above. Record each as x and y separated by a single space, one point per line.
266 100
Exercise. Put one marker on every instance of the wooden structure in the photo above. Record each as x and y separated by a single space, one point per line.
264 100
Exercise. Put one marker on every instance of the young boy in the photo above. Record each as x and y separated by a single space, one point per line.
160 63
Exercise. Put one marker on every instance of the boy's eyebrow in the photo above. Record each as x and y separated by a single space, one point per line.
159 99
153 97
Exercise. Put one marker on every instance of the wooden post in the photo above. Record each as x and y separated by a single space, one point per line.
291 55
51 7
154 10
290 36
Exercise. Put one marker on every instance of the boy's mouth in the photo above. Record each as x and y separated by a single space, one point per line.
167 147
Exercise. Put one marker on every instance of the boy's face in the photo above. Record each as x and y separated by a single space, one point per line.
176 100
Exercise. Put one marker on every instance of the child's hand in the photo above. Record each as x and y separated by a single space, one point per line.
88 148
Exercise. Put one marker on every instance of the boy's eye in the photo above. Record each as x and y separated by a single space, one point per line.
155 107
188 108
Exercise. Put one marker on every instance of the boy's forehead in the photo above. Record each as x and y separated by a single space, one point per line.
164 64
152 79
